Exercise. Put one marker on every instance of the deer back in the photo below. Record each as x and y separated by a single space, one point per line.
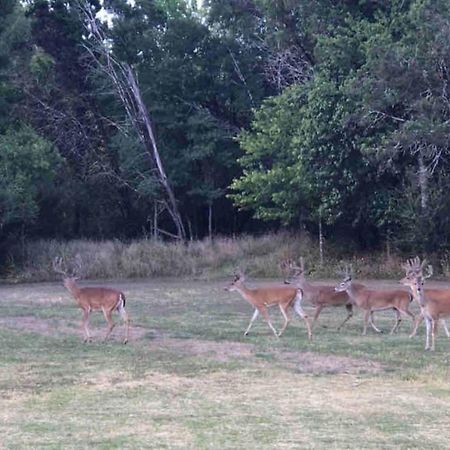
97 298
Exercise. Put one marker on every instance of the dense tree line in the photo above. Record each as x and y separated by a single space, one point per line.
170 118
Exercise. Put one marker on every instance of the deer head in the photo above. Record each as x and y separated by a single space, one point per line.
293 271
345 284
69 277
238 279
414 273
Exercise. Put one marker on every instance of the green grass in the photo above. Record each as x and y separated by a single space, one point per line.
189 379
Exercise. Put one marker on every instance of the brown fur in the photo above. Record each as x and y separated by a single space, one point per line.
319 296
102 299
371 300
264 297
434 305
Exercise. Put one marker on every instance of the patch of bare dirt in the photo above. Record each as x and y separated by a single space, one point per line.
220 351
304 362
58 327
309 362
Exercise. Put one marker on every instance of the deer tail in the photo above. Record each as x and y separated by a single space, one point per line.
121 302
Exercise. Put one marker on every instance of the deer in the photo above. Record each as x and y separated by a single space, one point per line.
263 297
371 300
434 303
91 299
320 296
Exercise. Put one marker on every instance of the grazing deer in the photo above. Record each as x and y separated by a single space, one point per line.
319 296
91 299
371 300
434 303
264 297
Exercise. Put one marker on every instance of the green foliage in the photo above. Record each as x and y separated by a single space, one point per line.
41 66
27 168
337 107
300 161
376 104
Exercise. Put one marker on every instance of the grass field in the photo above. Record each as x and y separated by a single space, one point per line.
189 379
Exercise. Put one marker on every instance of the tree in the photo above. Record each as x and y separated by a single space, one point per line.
28 165
347 142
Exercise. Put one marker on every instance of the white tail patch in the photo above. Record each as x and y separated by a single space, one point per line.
121 304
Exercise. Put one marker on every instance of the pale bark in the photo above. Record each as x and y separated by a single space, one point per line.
128 90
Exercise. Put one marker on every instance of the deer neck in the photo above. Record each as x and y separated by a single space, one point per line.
419 296
353 291
73 289
245 292
305 285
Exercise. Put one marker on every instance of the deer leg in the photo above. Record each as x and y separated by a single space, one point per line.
286 318
263 311
434 324
397 321
108 314
255 315
316 313
84 325
299 310
126 319
366 321
428 332
413 319
349 308
444 325
372 324
416 324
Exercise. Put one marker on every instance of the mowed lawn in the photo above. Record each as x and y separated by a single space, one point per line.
189 379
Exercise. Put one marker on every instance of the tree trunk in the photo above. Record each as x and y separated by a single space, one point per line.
210 219
423 182
320 242
155 220
152 148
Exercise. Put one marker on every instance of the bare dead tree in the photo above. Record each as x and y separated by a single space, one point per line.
127 89
286 67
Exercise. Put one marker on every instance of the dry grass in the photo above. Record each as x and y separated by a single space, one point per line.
258 256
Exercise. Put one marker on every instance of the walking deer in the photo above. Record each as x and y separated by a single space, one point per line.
319 296
434 303
91 299
263 297
371 300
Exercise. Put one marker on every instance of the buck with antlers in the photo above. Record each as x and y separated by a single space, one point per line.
371 300
262 298
319 296
91 299
434 303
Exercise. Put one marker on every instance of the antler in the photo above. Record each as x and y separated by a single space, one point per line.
57 266
302 264
78 265
285 265
414 267
290 268
345 270
430 271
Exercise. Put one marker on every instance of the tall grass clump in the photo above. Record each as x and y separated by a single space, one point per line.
257 256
